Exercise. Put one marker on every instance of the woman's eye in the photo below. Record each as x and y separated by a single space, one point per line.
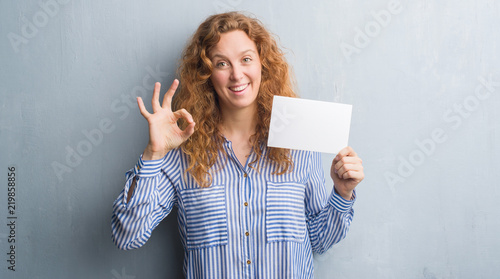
221 64
247 59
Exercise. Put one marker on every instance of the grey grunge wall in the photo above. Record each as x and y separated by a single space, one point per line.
423 78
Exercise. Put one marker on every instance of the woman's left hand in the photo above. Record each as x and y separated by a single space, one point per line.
346 172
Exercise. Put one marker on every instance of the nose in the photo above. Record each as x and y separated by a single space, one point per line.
236 72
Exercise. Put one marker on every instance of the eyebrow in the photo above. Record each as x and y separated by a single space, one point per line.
241 53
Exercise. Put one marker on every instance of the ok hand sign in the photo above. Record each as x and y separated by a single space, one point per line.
164 133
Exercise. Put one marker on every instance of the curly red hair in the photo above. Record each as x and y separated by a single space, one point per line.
198 97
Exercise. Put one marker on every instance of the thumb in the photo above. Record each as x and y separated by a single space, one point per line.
188 131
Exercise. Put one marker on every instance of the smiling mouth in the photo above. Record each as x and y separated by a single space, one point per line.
239 88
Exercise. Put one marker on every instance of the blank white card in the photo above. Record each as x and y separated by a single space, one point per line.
309 125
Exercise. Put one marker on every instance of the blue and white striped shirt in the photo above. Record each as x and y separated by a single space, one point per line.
248 224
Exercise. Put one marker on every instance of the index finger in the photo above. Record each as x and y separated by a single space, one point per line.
346 151
167 99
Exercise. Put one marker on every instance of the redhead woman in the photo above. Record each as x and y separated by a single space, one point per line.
245 210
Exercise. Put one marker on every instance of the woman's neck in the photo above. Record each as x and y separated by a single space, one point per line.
239 124
238 127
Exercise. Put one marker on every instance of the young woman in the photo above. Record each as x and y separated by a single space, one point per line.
245 210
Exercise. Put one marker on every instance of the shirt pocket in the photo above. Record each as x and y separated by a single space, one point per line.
285 212
206 217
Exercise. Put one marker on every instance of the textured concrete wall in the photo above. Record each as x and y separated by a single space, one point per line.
422 76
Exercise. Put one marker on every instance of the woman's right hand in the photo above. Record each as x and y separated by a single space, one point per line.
164 133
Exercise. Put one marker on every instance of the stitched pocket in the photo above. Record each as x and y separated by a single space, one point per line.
285 213
206 217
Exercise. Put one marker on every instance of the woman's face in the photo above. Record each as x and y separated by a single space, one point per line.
236 71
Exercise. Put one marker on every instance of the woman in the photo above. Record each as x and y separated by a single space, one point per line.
245 210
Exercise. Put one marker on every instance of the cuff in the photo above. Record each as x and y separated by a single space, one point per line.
147 168
341 204
143 169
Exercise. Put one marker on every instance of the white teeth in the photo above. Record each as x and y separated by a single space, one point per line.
239 88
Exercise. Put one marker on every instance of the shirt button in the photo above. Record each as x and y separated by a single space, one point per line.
249 262
247 233
245 175
246 203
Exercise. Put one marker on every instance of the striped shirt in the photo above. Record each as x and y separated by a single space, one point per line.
248 224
